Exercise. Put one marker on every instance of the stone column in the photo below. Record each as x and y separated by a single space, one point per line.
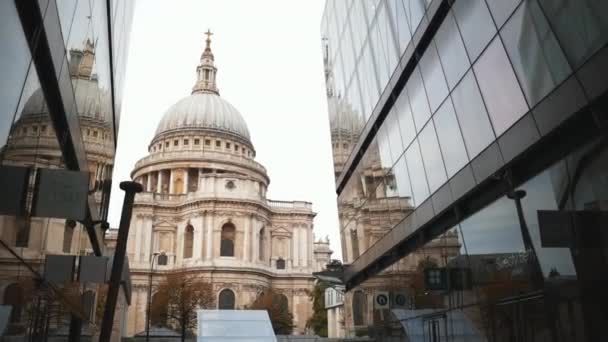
149 233
296 245
171 178
209 236
185 175
255 236
303 246
311 248
149 182
138 231
198 224
246 241
159 181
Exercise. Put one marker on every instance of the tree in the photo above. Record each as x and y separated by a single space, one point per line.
278 311
318 321
177 298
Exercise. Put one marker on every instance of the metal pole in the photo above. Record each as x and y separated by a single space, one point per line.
149 298
130 189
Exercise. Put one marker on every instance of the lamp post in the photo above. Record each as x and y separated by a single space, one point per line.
162 260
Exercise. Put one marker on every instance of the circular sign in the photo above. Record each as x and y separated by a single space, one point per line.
382 299
400 300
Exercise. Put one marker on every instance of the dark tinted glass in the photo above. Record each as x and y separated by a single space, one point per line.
537 58
581 26
15 57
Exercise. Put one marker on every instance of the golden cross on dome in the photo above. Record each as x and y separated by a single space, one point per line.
209 34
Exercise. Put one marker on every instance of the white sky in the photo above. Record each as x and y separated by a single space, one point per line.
270 67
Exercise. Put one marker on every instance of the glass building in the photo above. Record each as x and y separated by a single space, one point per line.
62 65
469 143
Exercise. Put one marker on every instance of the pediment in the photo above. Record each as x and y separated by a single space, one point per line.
280 231
165 225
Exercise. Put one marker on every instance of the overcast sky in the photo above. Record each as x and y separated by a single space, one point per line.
270 67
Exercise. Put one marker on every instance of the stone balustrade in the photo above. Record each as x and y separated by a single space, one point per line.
164 198
200 155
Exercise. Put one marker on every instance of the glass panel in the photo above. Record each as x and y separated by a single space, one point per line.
420 187
386 160
450 138
499 87
15 56
418 100
415 11
434 80
400 20
433 163
475 25
472 115
368 82
451 51
502 9
536 56
404 118
388 40
394 136
580 25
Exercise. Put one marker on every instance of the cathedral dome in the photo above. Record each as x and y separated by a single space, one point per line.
205 111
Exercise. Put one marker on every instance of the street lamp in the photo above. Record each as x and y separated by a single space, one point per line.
162 260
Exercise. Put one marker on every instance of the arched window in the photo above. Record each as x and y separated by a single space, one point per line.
226 300
68 234
227 243
13 297
280 264
359 308
188 241
261 246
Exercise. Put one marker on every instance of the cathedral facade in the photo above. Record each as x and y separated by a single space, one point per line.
204 206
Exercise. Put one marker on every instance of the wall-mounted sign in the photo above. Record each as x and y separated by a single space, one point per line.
61 194
13 182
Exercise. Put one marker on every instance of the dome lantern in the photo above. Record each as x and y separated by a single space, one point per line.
206 70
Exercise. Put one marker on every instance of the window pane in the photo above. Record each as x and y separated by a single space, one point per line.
431 155
451 51
400 20
404 117
536 56
420 105
15 56
434 80
385 149
415 11
420 187
499 87
475 25
402 179
502 9
580 25
450 138
394 136
472 115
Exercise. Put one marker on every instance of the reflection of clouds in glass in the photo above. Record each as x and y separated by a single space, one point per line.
541 196
494 229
